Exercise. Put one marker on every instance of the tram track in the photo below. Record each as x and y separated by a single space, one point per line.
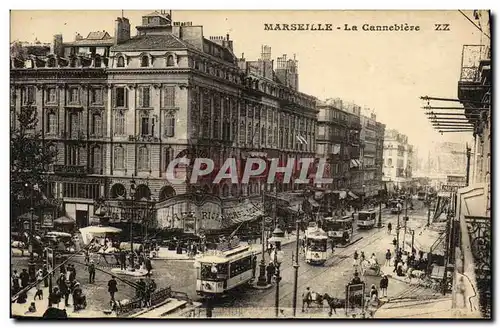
337 259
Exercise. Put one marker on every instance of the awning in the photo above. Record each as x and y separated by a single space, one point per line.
425 239
355 163
352 195
244 212
64 220
313 202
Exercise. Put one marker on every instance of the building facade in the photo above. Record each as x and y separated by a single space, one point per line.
338 143
371 138
121 108
398 155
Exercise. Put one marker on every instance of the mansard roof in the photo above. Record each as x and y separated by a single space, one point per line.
151 42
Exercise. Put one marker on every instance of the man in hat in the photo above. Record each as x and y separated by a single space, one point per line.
306 298
91 272
384 283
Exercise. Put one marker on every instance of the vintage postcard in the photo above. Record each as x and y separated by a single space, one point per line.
250 164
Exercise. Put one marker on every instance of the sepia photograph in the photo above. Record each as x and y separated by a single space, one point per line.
250 164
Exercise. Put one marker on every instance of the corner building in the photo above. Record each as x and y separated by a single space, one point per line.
122 108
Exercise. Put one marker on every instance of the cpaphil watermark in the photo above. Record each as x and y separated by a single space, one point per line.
304 170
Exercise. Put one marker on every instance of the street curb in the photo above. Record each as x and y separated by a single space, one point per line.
351 243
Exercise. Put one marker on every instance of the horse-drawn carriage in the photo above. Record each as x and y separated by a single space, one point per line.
370 268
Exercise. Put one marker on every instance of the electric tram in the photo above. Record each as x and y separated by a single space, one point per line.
366 219
340 230
222 269
316 240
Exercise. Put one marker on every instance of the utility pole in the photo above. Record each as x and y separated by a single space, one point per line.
429 212
262 281
468 166
296 267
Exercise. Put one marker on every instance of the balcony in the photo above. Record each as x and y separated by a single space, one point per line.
70 170
471 246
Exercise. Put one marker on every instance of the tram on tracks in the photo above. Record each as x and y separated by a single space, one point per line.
366 219
339 230
316 240
220 270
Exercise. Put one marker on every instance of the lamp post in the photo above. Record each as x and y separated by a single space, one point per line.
132 195
296 266
31 263
379 225
262 281
277 238
397 232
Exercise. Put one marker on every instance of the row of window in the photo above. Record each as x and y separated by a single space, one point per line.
73 96
120 96
81 190
146 61
75 129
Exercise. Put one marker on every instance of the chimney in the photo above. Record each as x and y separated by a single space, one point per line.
78 37
57 45
122 30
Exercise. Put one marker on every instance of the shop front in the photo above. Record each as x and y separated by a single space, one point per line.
191 213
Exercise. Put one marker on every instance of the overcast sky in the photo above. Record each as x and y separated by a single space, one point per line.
385 71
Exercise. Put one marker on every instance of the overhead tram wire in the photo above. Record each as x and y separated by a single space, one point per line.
470 20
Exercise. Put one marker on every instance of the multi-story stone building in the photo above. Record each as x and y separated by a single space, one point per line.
371 137
121 108
338 143
397 159
379 155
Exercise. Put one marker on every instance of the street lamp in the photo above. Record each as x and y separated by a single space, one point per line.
277 238
31 264
262 281
296 265
132 196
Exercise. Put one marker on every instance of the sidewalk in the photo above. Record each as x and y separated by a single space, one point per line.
165 254
20 310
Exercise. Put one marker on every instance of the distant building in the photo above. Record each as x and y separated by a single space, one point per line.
371 137
398 155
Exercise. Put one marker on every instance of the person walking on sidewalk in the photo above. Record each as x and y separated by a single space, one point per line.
389 228
123 260
91 272
254 265
39 289
384 283
112 289
270 270
63 287
45 274
25 278
388 257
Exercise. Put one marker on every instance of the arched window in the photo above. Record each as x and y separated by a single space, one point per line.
145 61
51 62
142 192
118 191
389 162
166 192
97 61
119 158
121 62
170 61
143 158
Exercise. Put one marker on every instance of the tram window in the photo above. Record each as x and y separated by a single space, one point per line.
240 266
317 245
207 273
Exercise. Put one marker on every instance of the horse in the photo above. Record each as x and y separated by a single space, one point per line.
333 302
